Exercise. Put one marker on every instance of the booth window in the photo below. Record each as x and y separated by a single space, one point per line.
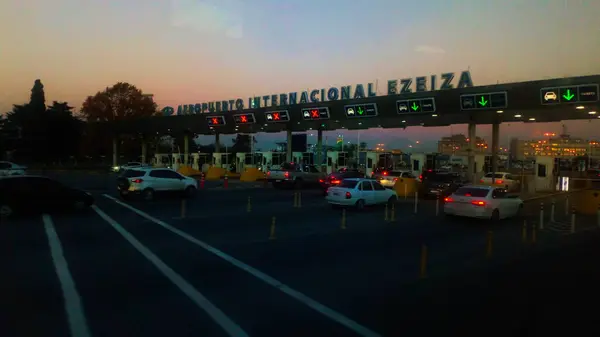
541 170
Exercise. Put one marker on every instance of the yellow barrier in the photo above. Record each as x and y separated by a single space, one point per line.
215 173
586 201
405 187
188 171
252 174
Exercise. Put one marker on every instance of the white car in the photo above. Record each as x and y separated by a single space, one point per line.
11 169
501 179
359 192
149 181
483 202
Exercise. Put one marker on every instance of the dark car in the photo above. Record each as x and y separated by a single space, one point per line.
440 184
335 178
36 194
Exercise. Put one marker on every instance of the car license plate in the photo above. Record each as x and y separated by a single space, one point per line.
278 180
434 191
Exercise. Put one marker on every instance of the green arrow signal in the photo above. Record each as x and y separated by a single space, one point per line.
360 110
482 101
568 95
415 107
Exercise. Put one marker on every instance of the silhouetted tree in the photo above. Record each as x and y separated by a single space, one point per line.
242 143
121 101
37 100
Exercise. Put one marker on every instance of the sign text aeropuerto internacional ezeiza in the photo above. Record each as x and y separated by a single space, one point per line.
394 87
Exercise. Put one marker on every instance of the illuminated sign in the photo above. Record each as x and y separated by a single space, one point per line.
570 94
277 116
244 119
361 110
215 120
315 113
492 100
444 81
415 106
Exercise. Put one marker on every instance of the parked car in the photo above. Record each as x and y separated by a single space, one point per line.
146 182
440 185
130 165
359 192
11 169
33 194
485 202
335 178
294 175
501 179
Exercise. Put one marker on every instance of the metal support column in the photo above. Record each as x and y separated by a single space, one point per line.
217 143
288 152
144 151
319 149
495 148
186 149
471 151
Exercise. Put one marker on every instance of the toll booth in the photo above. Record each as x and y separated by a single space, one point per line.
336 160
163 160
543 180
246 160
297 157
177 160
200 161
223 160
479 169
417 163
367 160
308 158
272 160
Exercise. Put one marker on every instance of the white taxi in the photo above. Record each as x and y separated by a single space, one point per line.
501 179
484 202
359 192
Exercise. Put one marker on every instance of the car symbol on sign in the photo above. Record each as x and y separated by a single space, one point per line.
403 107
468 102
550 96
350 111
306 114
269 117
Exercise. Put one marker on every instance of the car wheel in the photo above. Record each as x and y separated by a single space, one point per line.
5 211
148 194
360 204
190 191
495 215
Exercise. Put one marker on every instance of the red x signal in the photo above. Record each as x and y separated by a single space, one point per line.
276 116
244 119
314 113
215 120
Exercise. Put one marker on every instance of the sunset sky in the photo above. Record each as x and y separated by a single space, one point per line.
198 51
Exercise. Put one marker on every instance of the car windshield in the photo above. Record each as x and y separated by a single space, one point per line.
472 192
132 173
348 183
497 175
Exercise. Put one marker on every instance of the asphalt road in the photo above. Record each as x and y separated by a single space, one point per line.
145 269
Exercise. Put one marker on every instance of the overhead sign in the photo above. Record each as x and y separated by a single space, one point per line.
315 113
244 119
445 81
415 106
361 110
569 94
482 101
215 120
277 116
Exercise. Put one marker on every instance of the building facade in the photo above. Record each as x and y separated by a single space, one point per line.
458 144
562 146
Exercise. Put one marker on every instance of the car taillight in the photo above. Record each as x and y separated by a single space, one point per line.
499 181
478 203
321 180
420 177
385 173
395 179
481 180
287 174
268 173
448 199
137 181
348 195
335 182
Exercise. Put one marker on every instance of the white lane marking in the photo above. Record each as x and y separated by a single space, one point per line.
215 313
328 312
75 314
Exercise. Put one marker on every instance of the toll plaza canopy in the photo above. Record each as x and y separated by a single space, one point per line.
549 100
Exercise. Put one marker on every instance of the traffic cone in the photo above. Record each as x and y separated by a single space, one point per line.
226 181
202 180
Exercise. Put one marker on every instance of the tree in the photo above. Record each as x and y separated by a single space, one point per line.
243 143
64 131
121 101
37 100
